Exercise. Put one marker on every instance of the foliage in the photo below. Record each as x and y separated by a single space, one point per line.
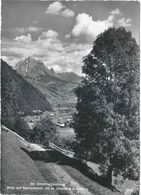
44 132
107 118
18 125
17 94
22 128
21 98
135 192
67 143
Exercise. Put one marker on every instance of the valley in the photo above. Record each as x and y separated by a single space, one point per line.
70 97
60 95
58 88
46 104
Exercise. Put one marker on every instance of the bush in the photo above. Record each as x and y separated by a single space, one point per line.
18 125
44 132
135 192
67 143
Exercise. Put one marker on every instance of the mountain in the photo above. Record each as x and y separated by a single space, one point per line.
69 76
18 95
35 69
57 87
31 68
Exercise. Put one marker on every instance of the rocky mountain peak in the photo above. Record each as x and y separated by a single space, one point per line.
35 69
31 67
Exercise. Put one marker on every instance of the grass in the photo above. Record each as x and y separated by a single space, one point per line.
18 169
93 187
122 186
65 132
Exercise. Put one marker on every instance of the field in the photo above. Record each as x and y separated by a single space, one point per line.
65 132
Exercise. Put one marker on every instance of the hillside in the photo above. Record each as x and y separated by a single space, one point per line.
69 77
19 169
18 95
57 87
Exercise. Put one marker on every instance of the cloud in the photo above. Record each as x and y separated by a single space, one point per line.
67 13
33 29
11 60
115 12
57 68
74 54
47 45
124 22
49 34
24 38
67 36
25 30
48 48
57 8
86 26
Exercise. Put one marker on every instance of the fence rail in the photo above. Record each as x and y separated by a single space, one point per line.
64 152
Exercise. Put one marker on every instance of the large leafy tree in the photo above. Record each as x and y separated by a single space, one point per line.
107 117
44 132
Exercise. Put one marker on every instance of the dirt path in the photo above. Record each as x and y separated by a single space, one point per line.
54 173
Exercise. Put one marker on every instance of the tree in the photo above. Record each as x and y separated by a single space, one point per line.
107 117
22 128
44 132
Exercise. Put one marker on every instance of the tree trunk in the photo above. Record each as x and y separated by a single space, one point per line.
86 156
109 175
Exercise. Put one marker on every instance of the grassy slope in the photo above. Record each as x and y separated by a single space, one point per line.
18 169
65 132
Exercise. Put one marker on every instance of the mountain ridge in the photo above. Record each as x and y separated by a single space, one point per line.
57 87
69 76
35 69
18 95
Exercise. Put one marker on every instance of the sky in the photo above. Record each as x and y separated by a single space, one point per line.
61 33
